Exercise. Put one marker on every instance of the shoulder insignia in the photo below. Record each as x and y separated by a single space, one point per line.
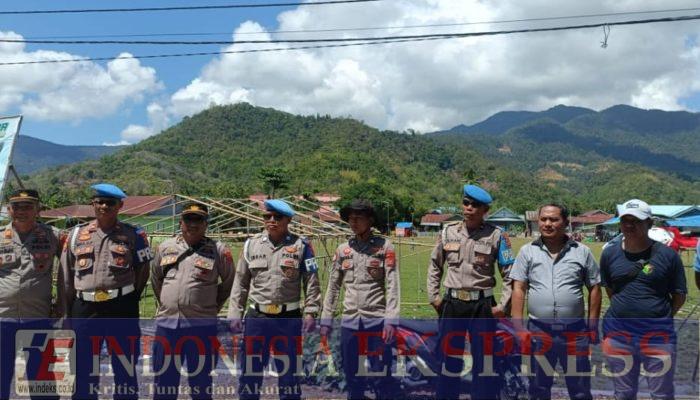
8 233
347 251
390 259
228 256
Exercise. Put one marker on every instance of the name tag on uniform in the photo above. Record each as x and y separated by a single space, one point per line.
204 264
80 251
451 246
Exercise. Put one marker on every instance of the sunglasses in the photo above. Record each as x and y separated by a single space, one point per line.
472 203
106 202
276 217
193 218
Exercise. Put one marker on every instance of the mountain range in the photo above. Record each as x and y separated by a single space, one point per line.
32 154
663 140
587 159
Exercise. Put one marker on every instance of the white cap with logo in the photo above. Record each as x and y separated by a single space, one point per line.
636 208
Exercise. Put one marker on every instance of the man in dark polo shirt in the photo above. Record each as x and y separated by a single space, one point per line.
553 271
646 285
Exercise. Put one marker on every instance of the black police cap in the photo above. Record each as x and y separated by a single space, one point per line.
357 205
21 195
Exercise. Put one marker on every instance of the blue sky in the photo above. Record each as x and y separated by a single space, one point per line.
422 86
173 73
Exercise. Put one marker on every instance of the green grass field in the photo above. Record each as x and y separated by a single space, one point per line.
413 255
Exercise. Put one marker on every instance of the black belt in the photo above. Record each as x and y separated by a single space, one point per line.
578 325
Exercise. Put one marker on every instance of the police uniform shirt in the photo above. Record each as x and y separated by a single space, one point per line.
96 260
369 272
26 268
471 258
191 283
274 274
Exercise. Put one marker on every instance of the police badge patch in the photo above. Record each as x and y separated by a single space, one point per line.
375 272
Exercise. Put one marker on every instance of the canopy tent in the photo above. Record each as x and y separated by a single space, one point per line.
612 221
687 222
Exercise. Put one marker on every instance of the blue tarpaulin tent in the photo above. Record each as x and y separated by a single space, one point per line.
688 222
612 221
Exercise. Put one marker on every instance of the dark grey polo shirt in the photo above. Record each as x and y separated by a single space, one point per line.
556 286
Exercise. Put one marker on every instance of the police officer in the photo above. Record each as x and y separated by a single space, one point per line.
366 266
191 277
272 269
471 250
104 268
27 253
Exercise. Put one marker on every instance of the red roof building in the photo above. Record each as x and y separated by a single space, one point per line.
133 205
431 222
326 198
79 211
327 214
258 198
594 217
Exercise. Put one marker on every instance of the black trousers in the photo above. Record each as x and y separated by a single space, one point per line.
578 383
116 323
282 334
460 320
8 349
366 341
192 346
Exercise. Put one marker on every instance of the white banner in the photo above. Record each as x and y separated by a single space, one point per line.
9 129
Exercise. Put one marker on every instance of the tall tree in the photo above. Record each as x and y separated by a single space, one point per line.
274 178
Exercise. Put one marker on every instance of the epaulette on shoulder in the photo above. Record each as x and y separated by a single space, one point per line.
448 225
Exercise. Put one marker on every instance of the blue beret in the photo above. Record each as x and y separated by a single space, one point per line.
279 206
477 194
107 190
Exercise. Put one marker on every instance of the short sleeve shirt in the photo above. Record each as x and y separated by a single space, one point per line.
642 288
555 286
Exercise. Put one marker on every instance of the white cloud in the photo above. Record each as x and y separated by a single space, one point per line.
158 120
438 84
69 91
119 143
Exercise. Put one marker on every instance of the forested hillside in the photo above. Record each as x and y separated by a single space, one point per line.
227 151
